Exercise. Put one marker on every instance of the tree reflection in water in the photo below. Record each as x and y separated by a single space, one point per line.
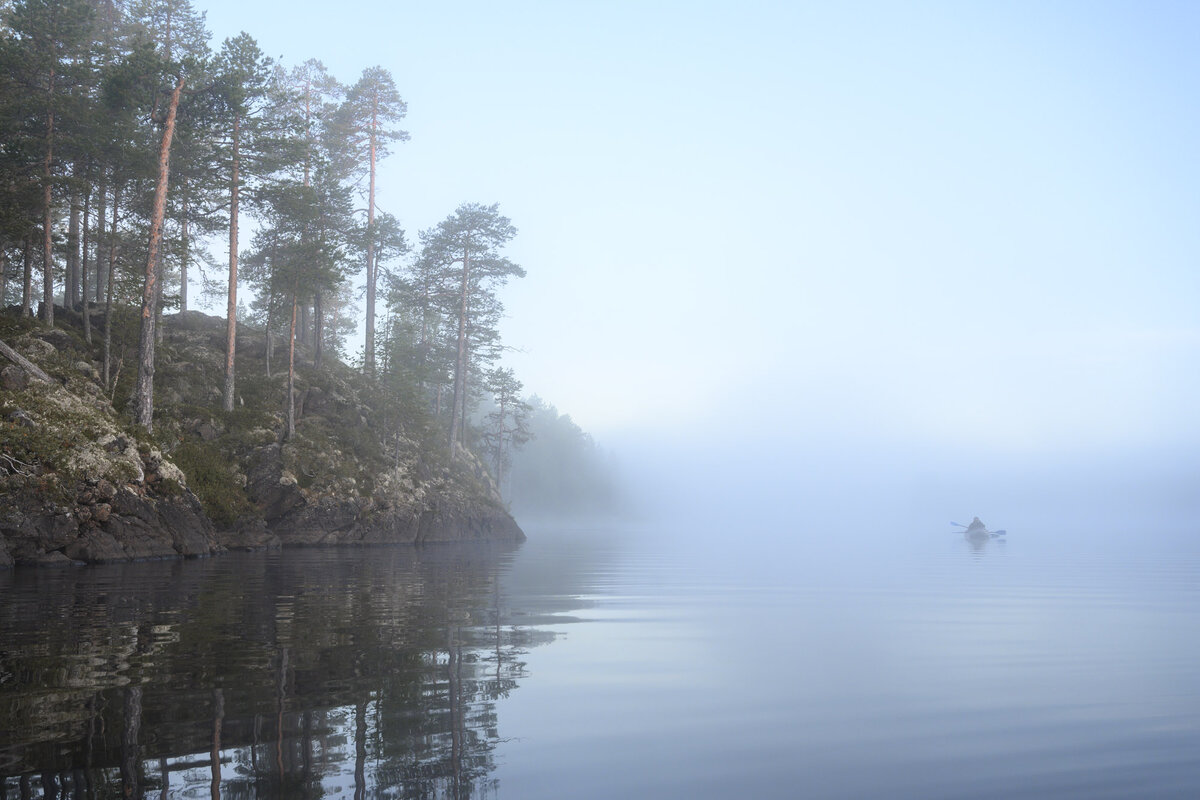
363 673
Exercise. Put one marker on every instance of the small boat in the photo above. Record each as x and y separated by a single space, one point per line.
977 530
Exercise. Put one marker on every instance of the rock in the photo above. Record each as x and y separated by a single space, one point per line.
193 321
273 490
249 533
96 546
13 378
19 417
316 401
53 559
169 472
57 338
115 498
329 521
34 349
160 527
105 457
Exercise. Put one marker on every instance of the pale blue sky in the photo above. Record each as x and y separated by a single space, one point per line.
963 222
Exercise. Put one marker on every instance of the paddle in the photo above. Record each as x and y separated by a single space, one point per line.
1000 532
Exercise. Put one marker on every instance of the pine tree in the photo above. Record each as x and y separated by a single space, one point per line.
467 244
143 397
305 103
49 40
243 83
373 107
506 428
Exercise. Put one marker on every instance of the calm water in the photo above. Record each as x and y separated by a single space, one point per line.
598 664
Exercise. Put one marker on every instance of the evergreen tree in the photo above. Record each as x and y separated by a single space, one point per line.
467 245
243 74
307 99
143 396
49 40
372 108
506 428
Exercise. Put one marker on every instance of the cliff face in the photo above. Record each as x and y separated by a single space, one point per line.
77 483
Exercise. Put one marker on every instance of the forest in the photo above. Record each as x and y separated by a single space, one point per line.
135 148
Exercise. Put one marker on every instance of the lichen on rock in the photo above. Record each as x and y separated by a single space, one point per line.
82 485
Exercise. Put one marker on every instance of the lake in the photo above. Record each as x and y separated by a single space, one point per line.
604 663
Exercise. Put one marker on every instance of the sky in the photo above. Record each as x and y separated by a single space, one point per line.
972 224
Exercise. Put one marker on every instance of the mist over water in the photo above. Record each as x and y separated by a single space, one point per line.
776 624
821 280
822 489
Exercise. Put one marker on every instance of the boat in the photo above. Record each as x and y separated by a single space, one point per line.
977 530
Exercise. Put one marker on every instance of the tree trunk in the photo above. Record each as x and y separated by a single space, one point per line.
231 308
31 369
47 219
108 287
3 278
143 395
460 364
27 278
369 353
83 268
270 346
161 268
318 331
291 381
462 431
183 259
101 211
500 445
71 282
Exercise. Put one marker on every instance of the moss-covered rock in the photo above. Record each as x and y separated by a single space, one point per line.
79 483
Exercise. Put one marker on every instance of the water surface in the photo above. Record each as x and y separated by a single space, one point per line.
605 663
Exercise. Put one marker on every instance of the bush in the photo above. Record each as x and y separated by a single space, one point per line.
209 476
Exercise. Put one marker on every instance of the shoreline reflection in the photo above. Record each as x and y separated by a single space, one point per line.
304 673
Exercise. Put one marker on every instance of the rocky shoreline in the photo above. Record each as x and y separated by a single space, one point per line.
79 485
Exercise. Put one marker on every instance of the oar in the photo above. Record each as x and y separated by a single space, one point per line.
959 524
1000 532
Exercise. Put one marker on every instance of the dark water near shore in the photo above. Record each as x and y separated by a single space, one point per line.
603 664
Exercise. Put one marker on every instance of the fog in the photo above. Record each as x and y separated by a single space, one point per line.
888 264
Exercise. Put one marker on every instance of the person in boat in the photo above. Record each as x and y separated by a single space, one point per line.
976 528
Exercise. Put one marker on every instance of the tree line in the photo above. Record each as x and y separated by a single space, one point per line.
130 144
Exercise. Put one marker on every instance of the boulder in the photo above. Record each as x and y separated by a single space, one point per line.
19 417
96 547
249 533
13 378
270 486
34 349
57 338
